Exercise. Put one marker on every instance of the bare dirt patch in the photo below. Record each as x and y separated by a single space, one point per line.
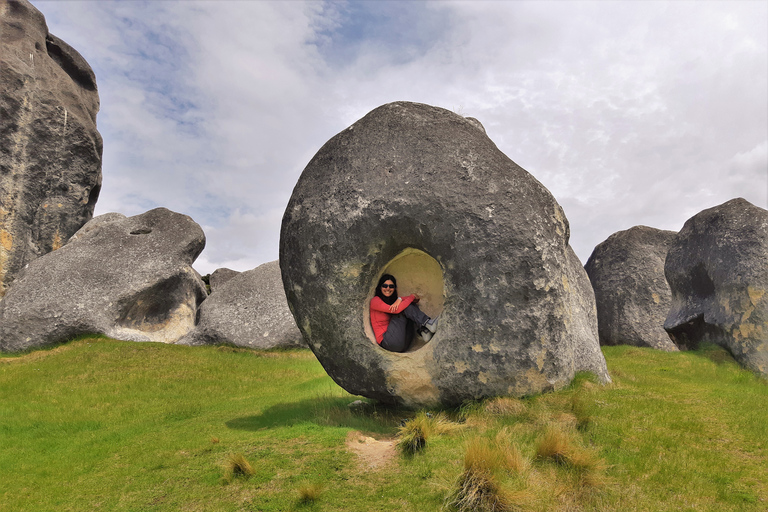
371 453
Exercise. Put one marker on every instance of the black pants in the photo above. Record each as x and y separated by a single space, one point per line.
402 328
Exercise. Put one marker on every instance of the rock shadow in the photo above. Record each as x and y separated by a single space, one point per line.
322 412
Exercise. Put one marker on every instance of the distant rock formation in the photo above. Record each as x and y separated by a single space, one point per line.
128 278
424 194
221 276
50 163
717 270
633 297
248 310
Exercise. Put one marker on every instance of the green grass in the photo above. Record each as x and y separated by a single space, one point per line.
99 424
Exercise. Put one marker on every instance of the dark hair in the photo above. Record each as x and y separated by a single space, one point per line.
392 298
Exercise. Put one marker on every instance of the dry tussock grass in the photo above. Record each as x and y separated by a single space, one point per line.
237 466
478 488
309 493
561 448
413 435
505 406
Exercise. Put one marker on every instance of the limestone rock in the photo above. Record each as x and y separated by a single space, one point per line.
633 297
583 316
717 270
50 150
128 278
424 194
221 276
248 310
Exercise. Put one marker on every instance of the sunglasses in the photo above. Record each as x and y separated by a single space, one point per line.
388 286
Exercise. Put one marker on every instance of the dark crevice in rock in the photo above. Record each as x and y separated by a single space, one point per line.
689 335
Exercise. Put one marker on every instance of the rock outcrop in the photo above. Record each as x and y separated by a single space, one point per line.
221 276
247 310
717 270
50 150
424 194
633 297
128 278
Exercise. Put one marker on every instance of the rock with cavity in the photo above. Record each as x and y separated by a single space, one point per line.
422 193
221 276
717 270
127 278
248 310
50 150
633 297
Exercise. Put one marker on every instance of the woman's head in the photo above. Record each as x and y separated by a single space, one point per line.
386 290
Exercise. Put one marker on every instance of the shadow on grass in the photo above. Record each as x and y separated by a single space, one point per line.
335 412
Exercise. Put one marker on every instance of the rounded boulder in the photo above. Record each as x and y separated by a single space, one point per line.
422 193
633 297
717 270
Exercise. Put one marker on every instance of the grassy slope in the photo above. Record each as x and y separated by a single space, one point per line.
105 425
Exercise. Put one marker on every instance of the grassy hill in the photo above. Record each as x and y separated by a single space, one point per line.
99 424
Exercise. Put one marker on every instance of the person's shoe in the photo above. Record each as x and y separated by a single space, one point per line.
431 324
426 334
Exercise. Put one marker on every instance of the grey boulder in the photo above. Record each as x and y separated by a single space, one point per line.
424 194
247 310
221 276
633 297
127 278
717 270
50 150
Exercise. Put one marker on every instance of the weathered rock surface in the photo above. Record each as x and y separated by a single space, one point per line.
248 310
583 311
221 276
50 150
128 278
424 194
717 270
633 297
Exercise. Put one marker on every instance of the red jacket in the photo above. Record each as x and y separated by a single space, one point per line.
380 315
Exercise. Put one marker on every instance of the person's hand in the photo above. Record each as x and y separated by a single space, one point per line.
393 307
416 298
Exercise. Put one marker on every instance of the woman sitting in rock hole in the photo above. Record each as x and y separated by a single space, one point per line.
396 319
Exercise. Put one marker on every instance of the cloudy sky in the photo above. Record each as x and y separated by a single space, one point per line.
629 112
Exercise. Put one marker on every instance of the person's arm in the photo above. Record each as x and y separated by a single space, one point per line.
400 304
379 305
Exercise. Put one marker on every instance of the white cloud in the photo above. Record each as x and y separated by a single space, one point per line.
629 112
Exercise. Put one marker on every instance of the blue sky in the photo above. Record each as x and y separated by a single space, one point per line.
628 112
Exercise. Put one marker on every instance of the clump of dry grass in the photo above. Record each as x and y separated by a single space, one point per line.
512 458
237 466
560 447
310 493
478 488
413 435
505 406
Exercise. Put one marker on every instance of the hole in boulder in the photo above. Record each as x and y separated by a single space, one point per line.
416 272
141 231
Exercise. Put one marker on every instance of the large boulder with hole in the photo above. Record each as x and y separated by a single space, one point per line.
633 297
128 278
717 270
247 310
422 193
50 150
